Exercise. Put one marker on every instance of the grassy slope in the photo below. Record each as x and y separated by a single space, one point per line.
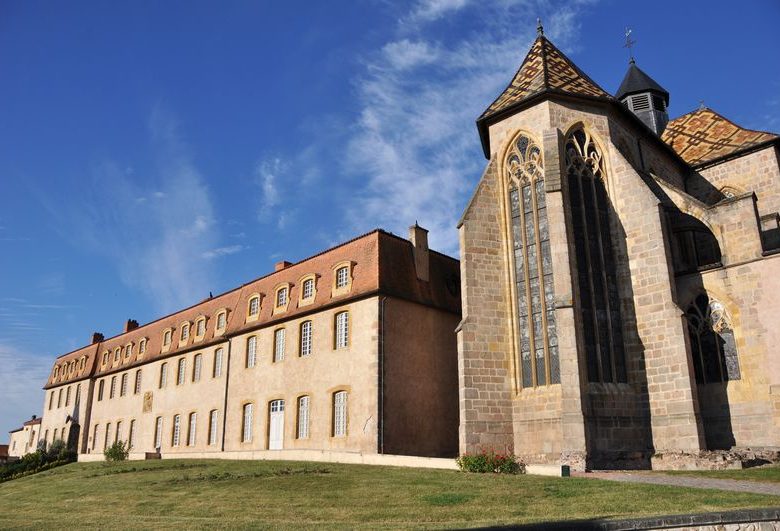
768 473
184 493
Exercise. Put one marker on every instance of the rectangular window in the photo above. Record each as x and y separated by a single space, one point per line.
254 305
51 399
101 385
342 277
279 344
167 338
123 388
185 332
305 349
67 397
303 417
340 414
112 391
142 347
59 398
158 429
342 329
137 381
77 401
94 437
251 351
196 367
106 436
201 328
308 289
246 432
118 434
221 321
105 357
117 354
163 375
182 371
131 435
192 429
213 426
281 297
217 363
176 430
128 351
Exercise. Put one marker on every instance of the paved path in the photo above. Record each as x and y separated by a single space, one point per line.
685 481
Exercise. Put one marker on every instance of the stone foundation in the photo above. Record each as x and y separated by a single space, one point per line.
737 458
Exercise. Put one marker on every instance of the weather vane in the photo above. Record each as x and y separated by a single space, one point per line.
629 44
539 28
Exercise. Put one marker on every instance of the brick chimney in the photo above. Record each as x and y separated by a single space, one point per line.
284 264
419 238
131 324
97 337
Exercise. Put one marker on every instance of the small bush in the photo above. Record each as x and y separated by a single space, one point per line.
56 455
490 462
117 451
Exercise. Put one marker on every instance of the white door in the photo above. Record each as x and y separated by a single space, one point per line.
276 426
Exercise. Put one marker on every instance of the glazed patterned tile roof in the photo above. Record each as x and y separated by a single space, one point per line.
545 68
381 262
703 136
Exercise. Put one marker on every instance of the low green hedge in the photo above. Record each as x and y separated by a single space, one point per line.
490 462
38 461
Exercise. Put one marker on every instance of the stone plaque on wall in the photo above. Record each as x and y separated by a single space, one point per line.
148 402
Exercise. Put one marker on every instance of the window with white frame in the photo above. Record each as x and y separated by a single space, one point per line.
163 375
342 277
137 382
303 417
118 434
340 414
221 318
123 387
192 429
254 306
200 327
182 371
305 349
131 435
117 354
217 372
128 351
281 297
196 367
213 426
251 351
112 391
246 431
185 331
342 329
307 291
142 347
176 430
279 344
158 429
167 338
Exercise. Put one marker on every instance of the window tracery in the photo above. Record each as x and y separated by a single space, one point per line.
713 347
537 344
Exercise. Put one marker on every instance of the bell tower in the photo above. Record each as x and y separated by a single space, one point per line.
645 98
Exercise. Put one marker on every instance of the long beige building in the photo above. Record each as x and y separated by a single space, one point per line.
332 353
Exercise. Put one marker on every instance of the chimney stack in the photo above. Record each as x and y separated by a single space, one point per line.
419 238
282 265
97 337
131 324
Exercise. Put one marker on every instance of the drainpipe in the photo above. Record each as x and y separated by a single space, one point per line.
227 382
382 375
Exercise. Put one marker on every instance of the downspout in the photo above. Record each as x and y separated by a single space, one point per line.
382 375
227 385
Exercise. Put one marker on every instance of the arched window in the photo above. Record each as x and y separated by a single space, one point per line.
694 247
713 347
537 344
596 272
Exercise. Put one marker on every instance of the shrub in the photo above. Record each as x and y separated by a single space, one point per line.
490 462
57 454
117 451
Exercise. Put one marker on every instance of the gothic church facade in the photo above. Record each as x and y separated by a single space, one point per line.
620 276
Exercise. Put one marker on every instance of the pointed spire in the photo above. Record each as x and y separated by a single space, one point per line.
539 28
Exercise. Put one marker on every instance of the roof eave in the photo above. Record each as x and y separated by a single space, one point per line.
735 154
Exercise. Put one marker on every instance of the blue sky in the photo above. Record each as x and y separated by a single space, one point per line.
152 152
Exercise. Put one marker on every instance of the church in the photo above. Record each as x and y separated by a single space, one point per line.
615 306
620 276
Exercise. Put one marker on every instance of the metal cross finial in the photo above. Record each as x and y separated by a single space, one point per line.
629 44
539 28
701 105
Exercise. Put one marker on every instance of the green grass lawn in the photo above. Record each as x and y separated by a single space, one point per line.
767 473
242 494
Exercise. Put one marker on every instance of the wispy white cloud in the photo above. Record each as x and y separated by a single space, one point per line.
431 10
223 251
267 175
20 381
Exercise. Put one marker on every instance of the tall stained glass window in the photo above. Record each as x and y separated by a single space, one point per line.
537 336
599 301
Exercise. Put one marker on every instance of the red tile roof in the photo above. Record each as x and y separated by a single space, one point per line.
33 422
398 278
704 136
